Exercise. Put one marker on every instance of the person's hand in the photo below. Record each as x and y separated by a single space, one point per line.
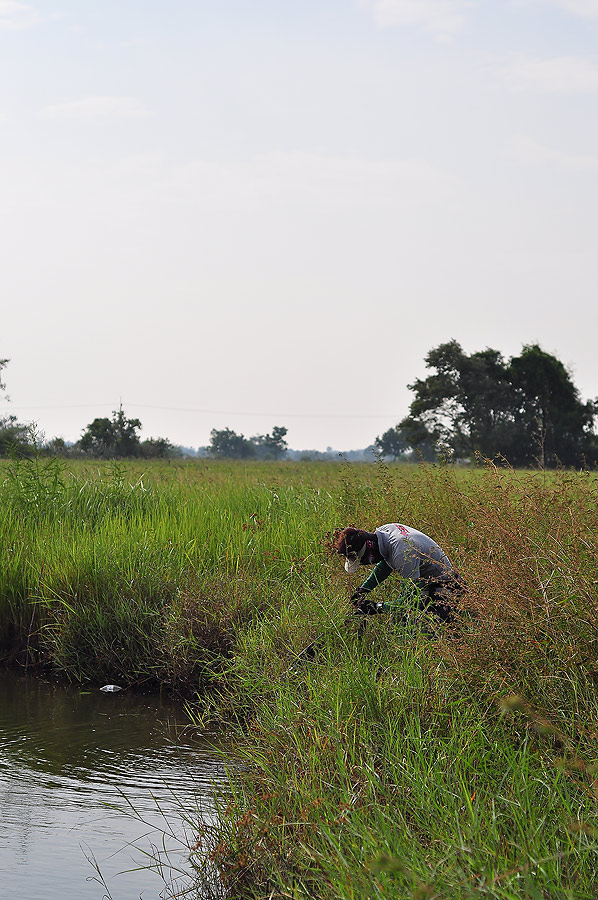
364 605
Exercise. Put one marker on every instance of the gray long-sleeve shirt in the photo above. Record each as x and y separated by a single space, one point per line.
411 553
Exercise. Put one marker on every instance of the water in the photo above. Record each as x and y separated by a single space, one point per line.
67 758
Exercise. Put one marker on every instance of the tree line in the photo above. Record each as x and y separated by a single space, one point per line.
118 438
526 409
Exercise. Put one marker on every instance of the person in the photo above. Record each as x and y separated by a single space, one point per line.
432 581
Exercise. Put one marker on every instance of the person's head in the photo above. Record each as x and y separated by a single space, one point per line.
359 547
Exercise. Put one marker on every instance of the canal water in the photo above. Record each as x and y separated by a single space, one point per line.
94 789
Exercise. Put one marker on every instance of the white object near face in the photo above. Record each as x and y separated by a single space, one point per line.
352 565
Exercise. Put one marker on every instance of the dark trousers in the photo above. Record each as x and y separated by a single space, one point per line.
441 597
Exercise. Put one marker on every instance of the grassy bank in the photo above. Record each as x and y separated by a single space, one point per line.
393 765
144 573
398 766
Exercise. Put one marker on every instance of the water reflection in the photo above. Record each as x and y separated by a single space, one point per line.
66 759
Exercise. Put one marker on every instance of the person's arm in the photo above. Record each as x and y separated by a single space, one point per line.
380 573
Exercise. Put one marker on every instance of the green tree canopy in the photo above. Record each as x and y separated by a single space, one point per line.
113 438
228 444
14 435
159 448
117 438
393 442
526 408
550 406
271 446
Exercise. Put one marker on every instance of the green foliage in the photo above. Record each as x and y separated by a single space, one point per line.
393 443
56 447
112 438
526 409
385 767
370 774
394 765
34 486
550 401
159 448
15 438
274 445
227 444
83 545
117 438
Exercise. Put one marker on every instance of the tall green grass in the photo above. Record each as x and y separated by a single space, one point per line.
363 783
395 764
145 573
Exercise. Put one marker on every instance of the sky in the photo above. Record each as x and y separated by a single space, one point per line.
230 214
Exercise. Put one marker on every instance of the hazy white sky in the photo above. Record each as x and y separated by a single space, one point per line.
252 214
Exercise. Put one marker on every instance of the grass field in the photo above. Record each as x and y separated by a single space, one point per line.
395 764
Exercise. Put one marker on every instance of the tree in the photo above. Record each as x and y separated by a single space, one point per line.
275 444
392 442
230 445
14 436
467 404
56 447
270 446
159 448
551 409
419 439
112 438
126 440
481 403
3 364
97 439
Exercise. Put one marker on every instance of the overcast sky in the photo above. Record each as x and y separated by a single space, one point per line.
248 214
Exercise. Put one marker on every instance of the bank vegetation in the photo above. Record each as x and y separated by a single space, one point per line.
397 762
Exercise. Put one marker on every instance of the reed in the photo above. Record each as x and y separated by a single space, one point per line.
395 764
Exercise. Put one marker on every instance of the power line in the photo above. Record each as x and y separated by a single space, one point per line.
285 415
61 406
213 412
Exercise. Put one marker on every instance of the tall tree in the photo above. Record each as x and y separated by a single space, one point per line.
275 444
551 409
126 439
113 438
467 404
524 408
270 446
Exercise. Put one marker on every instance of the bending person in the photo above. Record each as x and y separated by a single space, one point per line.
410 553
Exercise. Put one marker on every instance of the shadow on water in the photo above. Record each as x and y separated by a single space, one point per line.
91 779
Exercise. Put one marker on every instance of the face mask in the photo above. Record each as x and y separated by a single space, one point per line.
352 565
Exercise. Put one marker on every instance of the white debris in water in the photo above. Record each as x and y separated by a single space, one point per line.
111 688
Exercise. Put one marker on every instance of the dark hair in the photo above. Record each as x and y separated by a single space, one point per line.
350 541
